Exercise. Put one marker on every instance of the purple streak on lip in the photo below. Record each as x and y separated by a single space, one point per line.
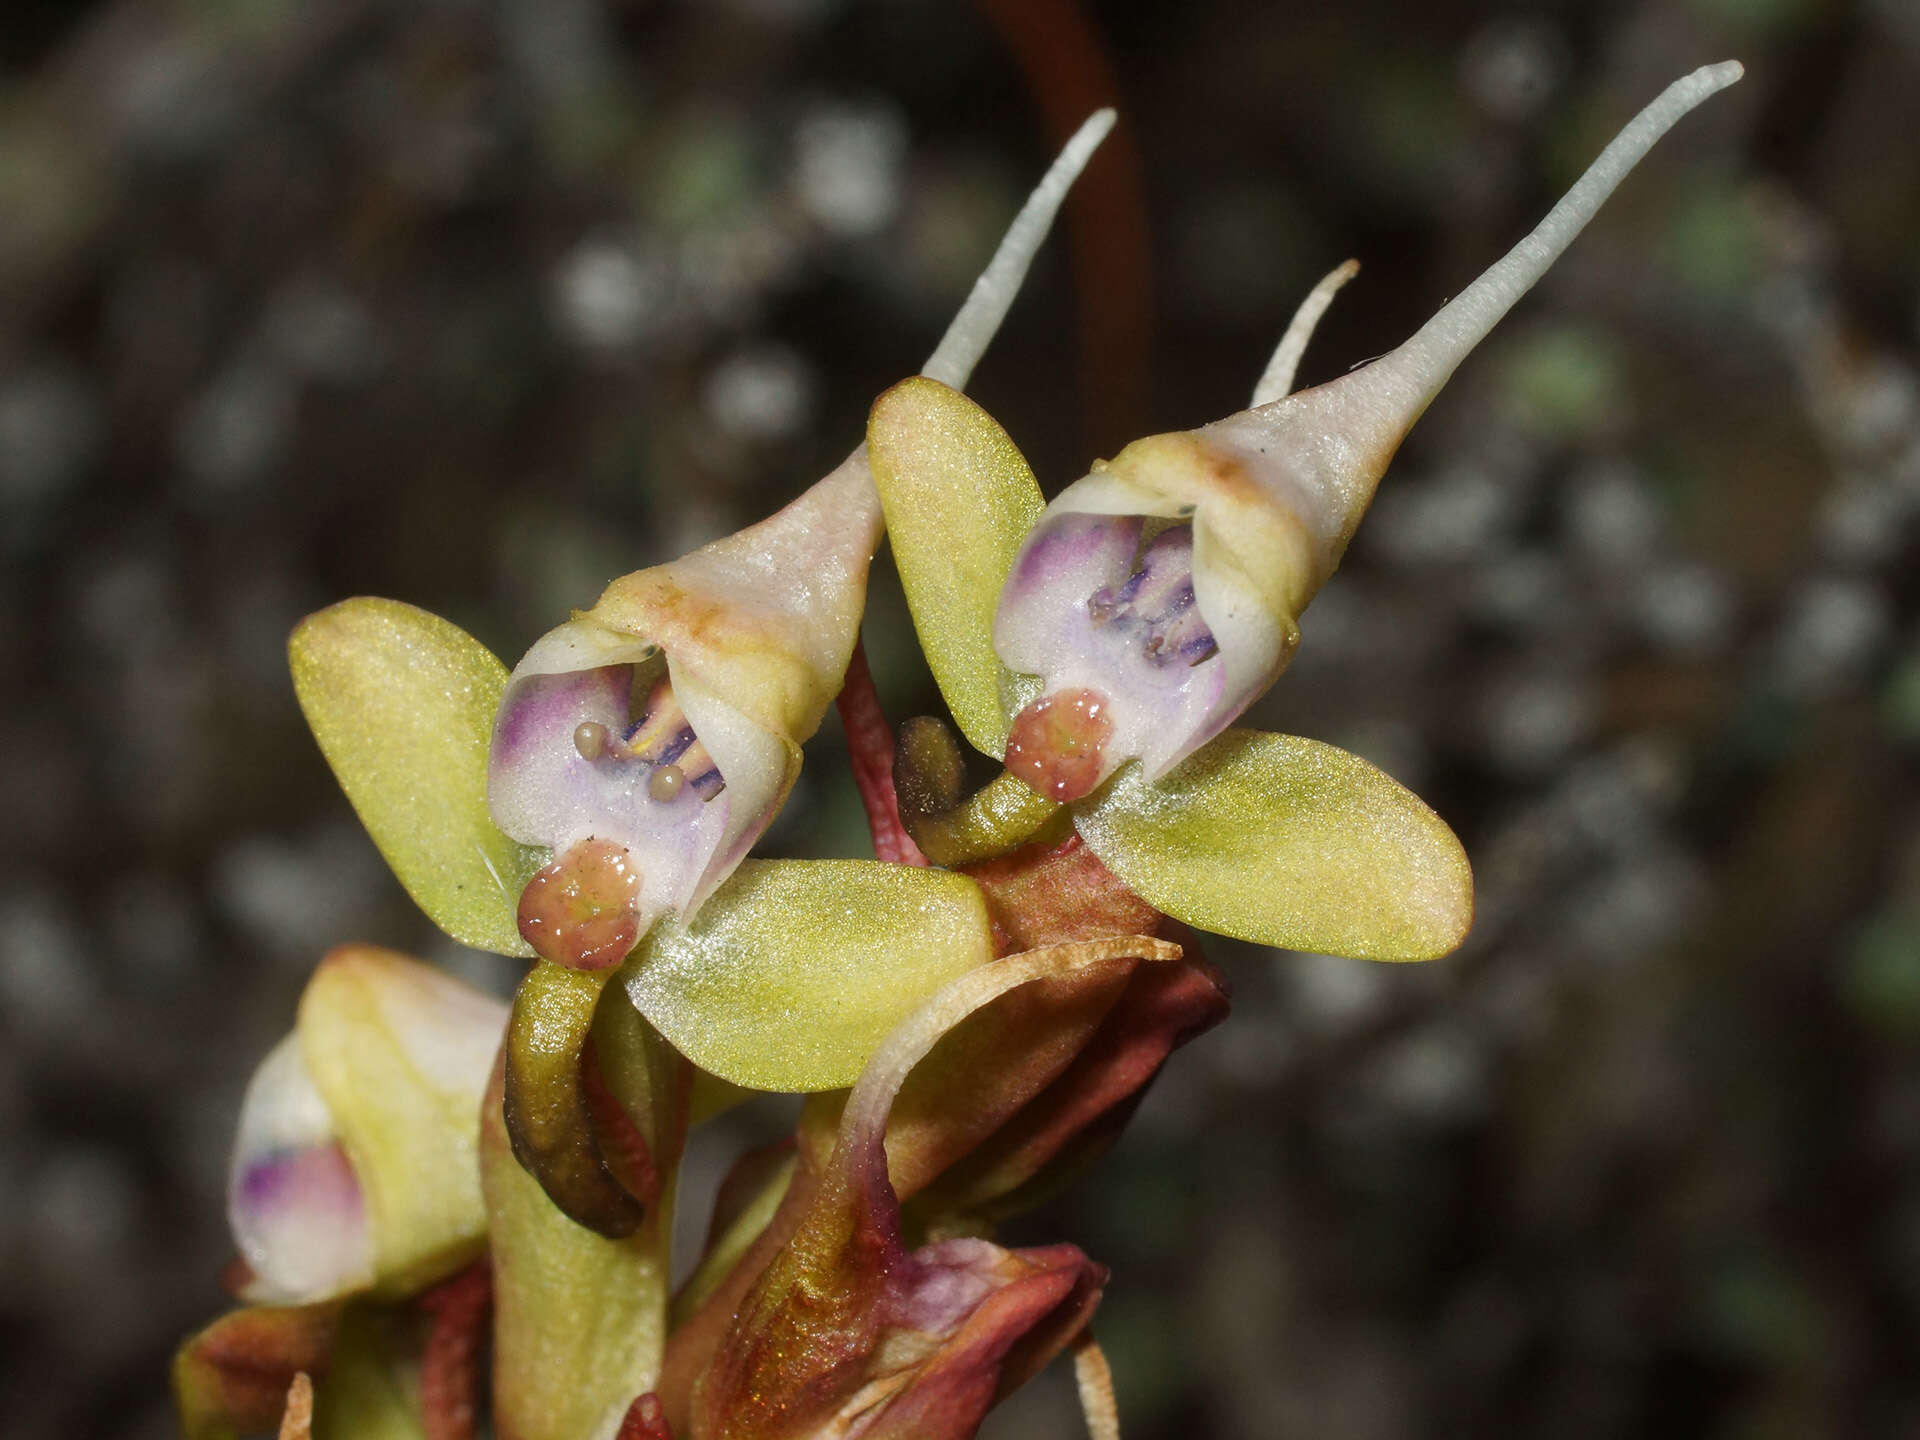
675 747
538 704
1200 646
1075 540
1164 582
319 1176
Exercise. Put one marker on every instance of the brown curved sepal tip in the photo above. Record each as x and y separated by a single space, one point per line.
548 1106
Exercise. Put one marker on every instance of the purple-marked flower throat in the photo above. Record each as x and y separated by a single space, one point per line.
1102 608
626 801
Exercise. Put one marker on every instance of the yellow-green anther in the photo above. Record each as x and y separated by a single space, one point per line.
929 770
951 827
1001 815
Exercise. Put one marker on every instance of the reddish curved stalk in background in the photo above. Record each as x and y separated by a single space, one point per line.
870 745
1067 68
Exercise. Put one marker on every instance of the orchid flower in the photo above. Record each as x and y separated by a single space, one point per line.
356 1165
646 742
1102 645
650 740
355 1184
602 797
636 752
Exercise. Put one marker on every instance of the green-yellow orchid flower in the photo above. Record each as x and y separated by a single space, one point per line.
660 729
355 1187
1102 645
356 1167
650 740
626 766
594 807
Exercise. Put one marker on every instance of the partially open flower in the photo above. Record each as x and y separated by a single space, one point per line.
650 740
1157 597
1135 617
354 1195
356 1163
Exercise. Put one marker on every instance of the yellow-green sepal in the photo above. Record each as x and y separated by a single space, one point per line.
402 703
580 1320
795 970
398 1052
959 500
1286 841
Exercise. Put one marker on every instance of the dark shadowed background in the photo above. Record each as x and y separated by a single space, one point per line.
481 304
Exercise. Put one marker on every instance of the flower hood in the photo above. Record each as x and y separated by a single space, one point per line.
1164 589
356 1166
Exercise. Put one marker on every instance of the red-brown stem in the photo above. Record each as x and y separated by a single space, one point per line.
870 743
450 1366
1070 74
646 1420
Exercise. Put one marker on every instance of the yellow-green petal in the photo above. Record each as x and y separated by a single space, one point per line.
796 969
959 498
1286 841
402 703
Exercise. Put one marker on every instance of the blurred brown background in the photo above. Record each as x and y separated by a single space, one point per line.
480 304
